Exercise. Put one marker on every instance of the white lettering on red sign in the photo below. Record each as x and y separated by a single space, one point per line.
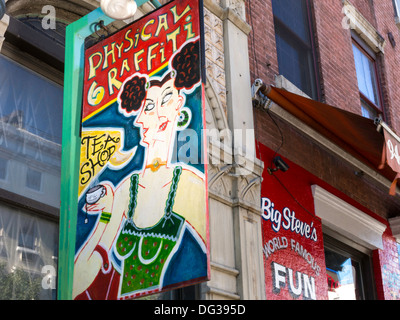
303 284
394 153
289 222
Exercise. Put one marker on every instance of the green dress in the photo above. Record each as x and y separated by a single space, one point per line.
147 251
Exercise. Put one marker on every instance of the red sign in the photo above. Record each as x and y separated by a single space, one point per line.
391 153
146 47
292 235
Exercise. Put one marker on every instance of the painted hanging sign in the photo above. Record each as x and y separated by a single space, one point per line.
390 155
293 248
142 211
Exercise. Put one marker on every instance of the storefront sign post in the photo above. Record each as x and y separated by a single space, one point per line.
73 80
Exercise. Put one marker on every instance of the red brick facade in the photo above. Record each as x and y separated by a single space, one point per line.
387 270
338 83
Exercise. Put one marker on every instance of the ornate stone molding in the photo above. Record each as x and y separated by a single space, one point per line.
228 13
362 27
237 6
234 189
395 226
214 50
347 220
250 192
215 112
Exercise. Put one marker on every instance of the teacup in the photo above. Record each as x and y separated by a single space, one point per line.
94 194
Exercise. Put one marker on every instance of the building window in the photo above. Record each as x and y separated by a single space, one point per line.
396 4
27 244
34 179
349 271
31 103
295 44
3 168
367 79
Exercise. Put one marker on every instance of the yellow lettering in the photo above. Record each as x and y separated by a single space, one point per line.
125 66
177 16
119 48
162 51
147 36
92 66
162 23
129 39
95 94
136 58
172 37
137 35
112 81
107 53
151 56
189 31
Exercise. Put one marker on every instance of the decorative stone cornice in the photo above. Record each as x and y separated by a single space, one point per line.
234 184
347 220
395 226
362 27
228 14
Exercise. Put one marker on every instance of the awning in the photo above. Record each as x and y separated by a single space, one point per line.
355 134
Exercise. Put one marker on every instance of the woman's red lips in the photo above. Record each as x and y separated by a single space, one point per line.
163 126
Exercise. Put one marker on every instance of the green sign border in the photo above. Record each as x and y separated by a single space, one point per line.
76 33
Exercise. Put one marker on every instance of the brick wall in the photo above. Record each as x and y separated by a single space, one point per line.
387 269
339 80
335 56
340 89
362 192
263 57
366 7
390 62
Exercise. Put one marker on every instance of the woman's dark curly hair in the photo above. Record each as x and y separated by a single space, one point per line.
186 64
133 94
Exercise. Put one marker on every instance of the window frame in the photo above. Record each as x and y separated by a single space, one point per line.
310 47
396 5
28 48
371 56
6 165
357 253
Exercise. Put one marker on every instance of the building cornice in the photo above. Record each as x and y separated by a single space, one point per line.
363 27
347 220
227 14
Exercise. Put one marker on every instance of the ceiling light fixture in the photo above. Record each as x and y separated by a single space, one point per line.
119 9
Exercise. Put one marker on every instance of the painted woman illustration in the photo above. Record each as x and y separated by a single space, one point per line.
151 230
